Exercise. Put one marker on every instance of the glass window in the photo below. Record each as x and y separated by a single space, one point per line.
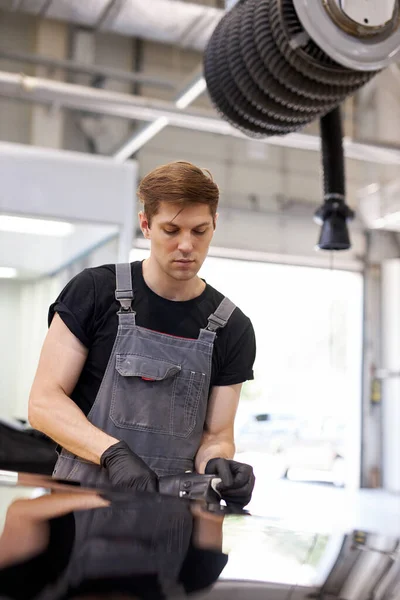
304 405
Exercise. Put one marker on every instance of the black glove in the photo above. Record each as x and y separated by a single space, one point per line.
127 469
237 480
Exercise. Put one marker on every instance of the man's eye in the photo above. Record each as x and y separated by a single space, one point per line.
170 231
200 232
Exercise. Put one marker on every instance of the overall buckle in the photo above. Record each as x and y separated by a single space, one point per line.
124 297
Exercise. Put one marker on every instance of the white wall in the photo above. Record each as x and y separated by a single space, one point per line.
243 167
105 254
34 300
23 327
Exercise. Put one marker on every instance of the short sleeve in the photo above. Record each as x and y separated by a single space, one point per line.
240 355
201 568
76 307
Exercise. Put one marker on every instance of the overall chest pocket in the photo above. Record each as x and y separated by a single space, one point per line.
155 395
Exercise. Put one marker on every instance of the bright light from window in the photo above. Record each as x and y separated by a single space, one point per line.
7 272
35 226
138 254
389 219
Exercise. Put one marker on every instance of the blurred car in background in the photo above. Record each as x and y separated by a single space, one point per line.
296 448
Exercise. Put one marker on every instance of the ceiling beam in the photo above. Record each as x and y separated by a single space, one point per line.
189 92
77 97
86 69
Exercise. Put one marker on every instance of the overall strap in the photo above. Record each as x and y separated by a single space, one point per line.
221 316
217 320
124 291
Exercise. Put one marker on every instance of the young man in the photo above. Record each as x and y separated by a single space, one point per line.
141 370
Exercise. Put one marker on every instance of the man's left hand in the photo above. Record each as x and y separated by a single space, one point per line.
237 480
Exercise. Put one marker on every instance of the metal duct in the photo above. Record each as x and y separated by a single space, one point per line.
167 21
267 76
334 213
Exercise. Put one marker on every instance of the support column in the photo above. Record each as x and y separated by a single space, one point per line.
369 125
99 134
47 129
387 108
371 436
391 374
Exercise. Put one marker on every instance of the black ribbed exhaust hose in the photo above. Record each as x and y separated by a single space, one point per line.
334 213
332 155
266 76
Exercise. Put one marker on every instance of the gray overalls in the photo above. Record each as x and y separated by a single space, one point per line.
149 535
154 392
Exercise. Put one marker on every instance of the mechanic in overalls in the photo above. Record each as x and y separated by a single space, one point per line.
141 370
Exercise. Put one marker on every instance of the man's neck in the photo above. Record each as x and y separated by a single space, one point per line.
167 287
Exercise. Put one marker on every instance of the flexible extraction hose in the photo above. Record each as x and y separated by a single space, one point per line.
334 213
332 156
266 76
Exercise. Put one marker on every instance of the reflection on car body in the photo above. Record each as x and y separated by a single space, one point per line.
60 541
286 445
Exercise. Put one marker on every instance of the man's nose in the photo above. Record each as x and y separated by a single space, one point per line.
185 243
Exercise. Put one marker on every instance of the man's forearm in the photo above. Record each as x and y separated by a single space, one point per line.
56 415
213 446
208 531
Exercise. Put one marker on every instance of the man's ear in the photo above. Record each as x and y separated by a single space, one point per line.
144 224
216 219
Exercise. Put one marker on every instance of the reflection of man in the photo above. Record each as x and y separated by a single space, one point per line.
154 390
37 535
143 548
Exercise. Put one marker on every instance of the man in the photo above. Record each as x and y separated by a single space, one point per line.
141 370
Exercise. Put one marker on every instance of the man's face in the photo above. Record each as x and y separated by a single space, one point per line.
179 237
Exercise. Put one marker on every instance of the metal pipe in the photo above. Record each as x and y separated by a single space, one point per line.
86 69
76 97
180 22
43 11
191 90
83 98
108 14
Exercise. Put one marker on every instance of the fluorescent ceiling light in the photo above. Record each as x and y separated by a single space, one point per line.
192 93
7 272
35 226
141 138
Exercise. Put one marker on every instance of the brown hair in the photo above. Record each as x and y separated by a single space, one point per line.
177 182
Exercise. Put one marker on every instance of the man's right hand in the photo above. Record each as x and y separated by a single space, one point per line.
127 469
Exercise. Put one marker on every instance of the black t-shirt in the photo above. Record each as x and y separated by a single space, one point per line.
88 307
